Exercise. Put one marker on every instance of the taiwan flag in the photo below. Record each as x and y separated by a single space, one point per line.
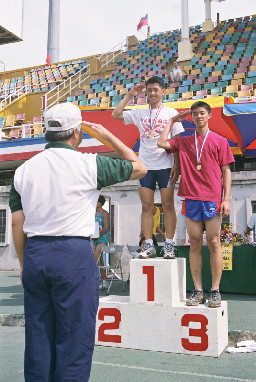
143 21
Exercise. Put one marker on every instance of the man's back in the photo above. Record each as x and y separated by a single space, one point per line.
58 189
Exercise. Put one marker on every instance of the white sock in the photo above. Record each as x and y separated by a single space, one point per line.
149 241
169 241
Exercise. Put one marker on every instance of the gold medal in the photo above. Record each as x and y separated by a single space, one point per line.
152 134
198 167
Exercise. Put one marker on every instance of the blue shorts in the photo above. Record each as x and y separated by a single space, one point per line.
199 210
162 177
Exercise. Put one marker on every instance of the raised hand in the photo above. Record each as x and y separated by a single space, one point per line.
136 90
180 117
101 131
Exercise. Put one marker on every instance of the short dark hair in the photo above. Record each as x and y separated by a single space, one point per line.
57 136
200 104
101 199
156 80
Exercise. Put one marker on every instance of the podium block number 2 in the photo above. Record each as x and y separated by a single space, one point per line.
112 312
201 332
150 272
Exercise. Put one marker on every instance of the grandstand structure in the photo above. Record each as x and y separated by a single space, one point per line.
223 64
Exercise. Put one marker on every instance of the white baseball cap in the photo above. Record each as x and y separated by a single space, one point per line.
67 114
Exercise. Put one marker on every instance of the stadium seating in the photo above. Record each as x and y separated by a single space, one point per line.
224 62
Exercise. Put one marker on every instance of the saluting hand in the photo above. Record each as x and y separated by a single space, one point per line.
180 117
101 131
136 90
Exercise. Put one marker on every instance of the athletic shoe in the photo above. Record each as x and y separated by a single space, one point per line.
148 251
197 297
169 251
214 300
105 284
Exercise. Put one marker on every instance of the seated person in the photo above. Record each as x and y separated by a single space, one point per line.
176 72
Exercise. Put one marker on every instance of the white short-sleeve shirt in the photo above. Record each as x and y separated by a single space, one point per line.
150 154
252 222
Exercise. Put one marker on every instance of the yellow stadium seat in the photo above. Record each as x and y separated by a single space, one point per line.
224 58
86 87
170 91
232 89
239 81
244 93
9 121
210 64
105 99
104 104
239 75
102 94
253 68
195 71
123 91
217 73
91 95
118 87
187 95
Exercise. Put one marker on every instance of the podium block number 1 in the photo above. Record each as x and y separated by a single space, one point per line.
201 332
102 336
150 272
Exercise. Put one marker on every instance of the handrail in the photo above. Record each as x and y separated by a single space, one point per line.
110 56
54 95
16 94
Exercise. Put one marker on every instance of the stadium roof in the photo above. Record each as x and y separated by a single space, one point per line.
7 37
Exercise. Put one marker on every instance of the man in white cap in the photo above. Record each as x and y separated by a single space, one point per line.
53 200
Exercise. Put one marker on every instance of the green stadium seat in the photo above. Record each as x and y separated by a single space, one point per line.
83 103
216 91
250 80
228 71
194 88
173 97
209 86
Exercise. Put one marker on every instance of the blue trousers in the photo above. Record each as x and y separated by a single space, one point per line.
61 296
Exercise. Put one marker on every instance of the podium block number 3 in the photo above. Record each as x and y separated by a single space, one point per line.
150 272
201 332
112 312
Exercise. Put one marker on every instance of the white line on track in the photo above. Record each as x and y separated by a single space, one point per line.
173 372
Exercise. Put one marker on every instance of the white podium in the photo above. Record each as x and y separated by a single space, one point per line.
155 316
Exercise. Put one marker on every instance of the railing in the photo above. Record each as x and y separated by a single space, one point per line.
62 90
8 97
55 95
113 53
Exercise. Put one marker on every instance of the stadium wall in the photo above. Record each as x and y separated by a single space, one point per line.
30 104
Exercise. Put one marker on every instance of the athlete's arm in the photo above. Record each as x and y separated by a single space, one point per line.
225 205
133 92
163 139
105 219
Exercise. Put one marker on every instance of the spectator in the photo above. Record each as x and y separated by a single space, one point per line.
53 200
102 219
176 72
251 225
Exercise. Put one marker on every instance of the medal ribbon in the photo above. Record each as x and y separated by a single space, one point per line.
152 125
205 137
